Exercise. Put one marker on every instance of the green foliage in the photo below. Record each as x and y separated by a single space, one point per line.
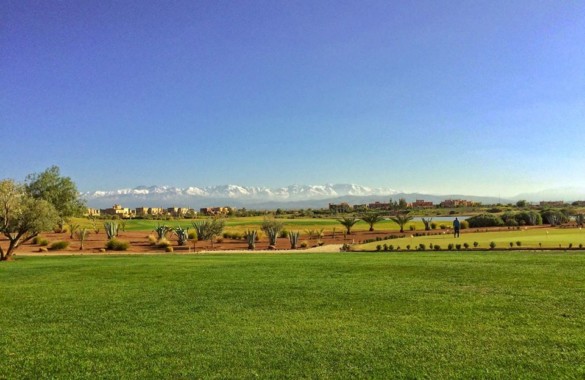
208 229
111 229
401 220
182 235
162 230
117 245
372 219
348 222
554 217
72 229
22 217
485 220
58 245
492 244
271 228
59 191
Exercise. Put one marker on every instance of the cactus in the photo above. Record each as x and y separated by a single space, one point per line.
182 234
293 237
250 236
111 229
162 230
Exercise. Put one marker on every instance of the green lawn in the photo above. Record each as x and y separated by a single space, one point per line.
377 315
537 237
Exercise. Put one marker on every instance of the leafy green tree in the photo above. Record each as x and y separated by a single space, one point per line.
371 219
60 191
22 217
348 222
401 220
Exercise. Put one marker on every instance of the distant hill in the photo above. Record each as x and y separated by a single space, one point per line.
291 197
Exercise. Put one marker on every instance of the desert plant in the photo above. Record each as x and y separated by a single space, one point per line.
271 228
348 222
58 245
111 229
250 236
81 236
293 237
72 228
208 229
117 245
162 230
182 235
163 243
401 220
152 239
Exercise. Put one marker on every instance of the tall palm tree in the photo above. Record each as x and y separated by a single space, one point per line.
401 220
372 219
348 222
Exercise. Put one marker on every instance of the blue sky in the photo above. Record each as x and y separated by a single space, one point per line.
473 97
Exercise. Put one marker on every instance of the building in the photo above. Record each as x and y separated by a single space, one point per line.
177 212
117 210
213 211
451 203
420 203
92 212
339 207
380 206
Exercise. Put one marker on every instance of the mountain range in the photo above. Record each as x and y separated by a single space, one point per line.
294 196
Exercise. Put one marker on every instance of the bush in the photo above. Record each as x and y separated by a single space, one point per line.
385 247
475 244
464 224
163 243
458 247
117 245
304 244
192 235
466 245
412 227
443 226
485 220
391 247
283 234
492 245
59 245
152 239
518 243
422 247
433 226
40 241
450 246
169 249
378 247
437 247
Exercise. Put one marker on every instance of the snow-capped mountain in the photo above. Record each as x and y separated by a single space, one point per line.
167 196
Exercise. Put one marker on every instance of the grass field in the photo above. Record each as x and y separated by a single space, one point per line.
537 238
382 315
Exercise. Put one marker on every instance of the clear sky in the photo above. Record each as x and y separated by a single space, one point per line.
473 97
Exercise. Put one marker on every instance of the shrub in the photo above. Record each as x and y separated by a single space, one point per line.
169 249
117 245
518 243
304 244
163 243
437 247
283 234
443 226
152 239
485 220
378 247
192 235
511 244
466 245
458 247
408 247
433 226
422 247
40 241
59 245
464 224
450 246
492 245
412 227
475 244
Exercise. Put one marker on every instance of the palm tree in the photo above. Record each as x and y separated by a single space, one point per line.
348 222
372 219
427 223
401 220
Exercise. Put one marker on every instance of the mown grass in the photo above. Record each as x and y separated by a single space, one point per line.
536 238
425 315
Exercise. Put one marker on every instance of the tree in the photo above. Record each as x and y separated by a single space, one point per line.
22 217
522 203
401 220
60 191
427 223
348 222
371 219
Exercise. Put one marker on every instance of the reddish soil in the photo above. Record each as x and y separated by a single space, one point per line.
139 242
